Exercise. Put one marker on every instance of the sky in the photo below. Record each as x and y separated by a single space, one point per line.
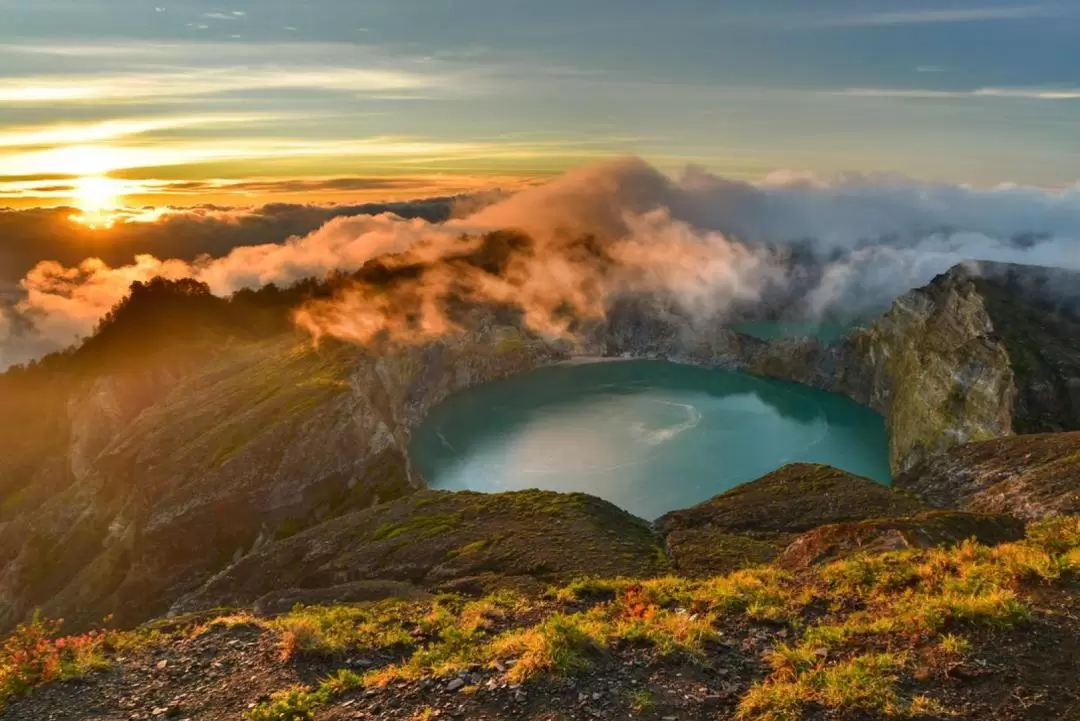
184 102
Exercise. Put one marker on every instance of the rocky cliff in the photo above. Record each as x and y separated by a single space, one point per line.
982 352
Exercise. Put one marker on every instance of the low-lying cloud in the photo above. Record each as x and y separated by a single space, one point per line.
799 246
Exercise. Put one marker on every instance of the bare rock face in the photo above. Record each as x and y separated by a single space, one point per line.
1030 477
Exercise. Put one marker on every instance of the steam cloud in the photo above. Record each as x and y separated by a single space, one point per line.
814 249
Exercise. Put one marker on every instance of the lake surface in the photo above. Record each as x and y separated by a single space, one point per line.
774 330
648 436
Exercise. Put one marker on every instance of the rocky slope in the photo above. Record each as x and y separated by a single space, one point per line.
1026 476
755 521
966 632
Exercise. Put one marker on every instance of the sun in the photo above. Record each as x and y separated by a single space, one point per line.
97 198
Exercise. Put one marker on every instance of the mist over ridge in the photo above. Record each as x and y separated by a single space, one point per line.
793 246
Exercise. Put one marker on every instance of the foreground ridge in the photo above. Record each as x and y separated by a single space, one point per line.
951 632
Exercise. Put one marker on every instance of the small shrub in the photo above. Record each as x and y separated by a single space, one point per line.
560 645
589 589
1055 535
864 683
641 700
954 645
302 703
297 703
330 630
33 656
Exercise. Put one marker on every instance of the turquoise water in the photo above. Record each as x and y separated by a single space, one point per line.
648 436
772 330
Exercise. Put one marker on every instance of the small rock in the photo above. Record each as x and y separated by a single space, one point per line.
519 696
456 684
162 664
500 667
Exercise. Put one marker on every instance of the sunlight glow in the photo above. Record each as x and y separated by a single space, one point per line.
98 199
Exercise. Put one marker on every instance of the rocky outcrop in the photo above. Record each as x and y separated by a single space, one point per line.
947 374
439 540
754 522
983 351
1030 477
925 530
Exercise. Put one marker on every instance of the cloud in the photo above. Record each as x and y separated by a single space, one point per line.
796 245
108 157
35 192
75 133
948 15
1029 93
1040 93
219 15
125 87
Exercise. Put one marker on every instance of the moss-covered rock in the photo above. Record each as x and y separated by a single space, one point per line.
754 522
925 530
703 551
1029 477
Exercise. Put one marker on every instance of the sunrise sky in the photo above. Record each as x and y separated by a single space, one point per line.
104 102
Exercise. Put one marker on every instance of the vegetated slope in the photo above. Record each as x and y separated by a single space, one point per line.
441 541
965 632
